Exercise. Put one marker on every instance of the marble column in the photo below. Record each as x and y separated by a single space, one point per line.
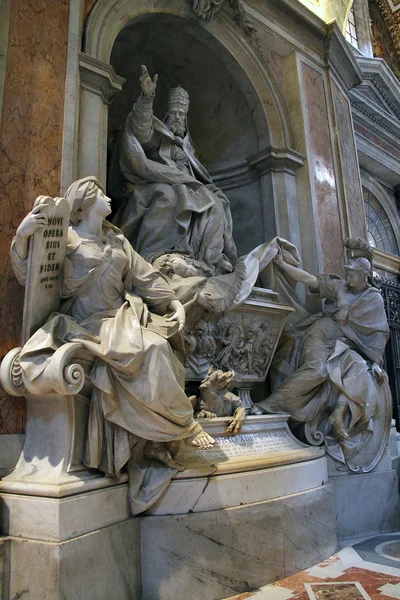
99 83
277 168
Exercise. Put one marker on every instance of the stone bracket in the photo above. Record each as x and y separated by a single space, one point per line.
99 78
276 159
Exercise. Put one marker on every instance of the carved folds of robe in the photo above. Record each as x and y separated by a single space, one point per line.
137 380
169 202
329 355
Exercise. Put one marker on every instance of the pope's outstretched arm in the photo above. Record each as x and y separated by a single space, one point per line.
140 119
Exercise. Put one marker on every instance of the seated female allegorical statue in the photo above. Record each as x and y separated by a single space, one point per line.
138 407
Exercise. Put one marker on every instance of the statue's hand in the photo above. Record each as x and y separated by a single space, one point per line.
278 258
147 84
378 373
235 423
178 315
33 221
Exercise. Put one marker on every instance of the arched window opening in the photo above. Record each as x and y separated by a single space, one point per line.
351 29
381 233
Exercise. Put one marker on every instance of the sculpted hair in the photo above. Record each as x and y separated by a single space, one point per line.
81 196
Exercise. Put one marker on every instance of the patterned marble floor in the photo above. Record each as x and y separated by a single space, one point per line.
365 570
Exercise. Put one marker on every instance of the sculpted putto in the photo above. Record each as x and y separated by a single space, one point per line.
169 200
138 405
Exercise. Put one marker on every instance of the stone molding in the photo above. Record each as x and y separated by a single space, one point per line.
366 111
377 160
99 78
379 76
340 59
233 176
302 15
386 262
276 160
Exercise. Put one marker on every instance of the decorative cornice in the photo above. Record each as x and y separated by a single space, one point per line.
277 160
99 78
370 111
377 160
233 176
339 57
377 73
302 15
386 262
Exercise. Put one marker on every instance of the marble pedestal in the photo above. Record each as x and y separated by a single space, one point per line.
368 503
253 510
84 546
219 553
257 508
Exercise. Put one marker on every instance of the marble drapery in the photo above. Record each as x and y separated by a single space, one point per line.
325 361
137 380
169 202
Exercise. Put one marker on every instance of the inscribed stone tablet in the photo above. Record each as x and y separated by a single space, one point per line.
45 260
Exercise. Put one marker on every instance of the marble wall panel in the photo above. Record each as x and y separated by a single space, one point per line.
322 170
30 144
349 165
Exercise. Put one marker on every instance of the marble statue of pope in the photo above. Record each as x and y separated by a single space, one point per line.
170 202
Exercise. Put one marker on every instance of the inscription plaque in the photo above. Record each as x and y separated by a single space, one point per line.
248 445
45 259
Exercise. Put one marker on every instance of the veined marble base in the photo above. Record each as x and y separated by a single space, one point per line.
366 504
201 494
85 546
219 553
101 565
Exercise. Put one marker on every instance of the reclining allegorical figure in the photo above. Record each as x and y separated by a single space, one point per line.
138 405
337 386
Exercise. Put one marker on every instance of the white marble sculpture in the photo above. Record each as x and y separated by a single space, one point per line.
337 387
138 405
170 201
217 400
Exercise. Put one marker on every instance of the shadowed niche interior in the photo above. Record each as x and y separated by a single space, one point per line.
222 111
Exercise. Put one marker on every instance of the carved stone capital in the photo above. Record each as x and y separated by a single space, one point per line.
99 78
276 159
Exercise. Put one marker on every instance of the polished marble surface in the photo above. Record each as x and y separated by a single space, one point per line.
357 572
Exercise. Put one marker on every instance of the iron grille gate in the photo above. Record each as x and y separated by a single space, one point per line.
391 296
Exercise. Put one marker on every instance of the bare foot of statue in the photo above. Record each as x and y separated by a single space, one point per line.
160 452
202 440
336 420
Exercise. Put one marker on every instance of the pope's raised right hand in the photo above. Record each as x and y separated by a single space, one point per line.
147 84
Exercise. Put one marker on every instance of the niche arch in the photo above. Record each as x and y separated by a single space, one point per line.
251 185
109 17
